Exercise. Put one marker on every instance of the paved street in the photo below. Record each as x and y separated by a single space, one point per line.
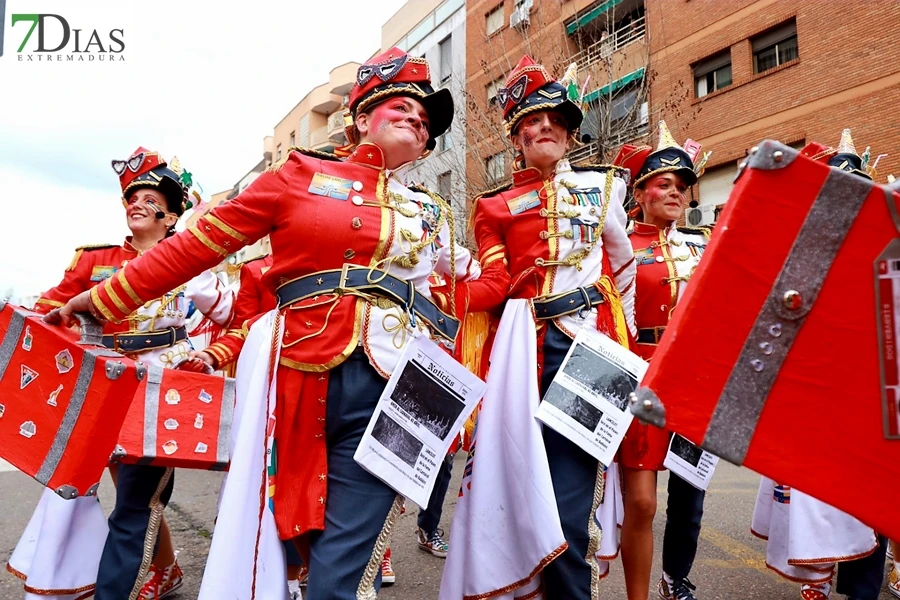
730 565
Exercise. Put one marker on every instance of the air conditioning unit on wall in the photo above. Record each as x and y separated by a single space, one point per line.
705 214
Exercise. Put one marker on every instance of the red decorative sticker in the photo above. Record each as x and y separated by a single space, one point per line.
27 376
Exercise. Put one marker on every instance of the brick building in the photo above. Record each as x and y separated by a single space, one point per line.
605 38
730 74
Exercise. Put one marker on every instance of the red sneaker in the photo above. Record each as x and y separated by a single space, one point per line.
162 583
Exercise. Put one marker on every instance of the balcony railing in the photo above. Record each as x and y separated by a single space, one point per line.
612 43
336 126
318 137
616 139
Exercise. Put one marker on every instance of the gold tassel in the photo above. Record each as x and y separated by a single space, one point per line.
74 262
614 300
474 334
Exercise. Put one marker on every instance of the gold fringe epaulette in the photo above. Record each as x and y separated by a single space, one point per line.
96 246
277 165
88 247
250 260
602 168
705 231
487 194
493 191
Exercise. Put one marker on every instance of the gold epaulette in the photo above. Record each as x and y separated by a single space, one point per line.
493 191
276 166
487 194
87 247
601 168
250 260
705 231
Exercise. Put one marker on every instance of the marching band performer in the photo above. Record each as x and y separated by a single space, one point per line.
253 299
555 235
63 546
666 256
353 248
806 539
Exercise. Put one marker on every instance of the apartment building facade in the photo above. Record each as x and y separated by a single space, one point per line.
436 30
317 121
730 74
605 39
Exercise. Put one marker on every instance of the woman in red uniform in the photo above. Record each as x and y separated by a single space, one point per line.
666 255
556 235
353 247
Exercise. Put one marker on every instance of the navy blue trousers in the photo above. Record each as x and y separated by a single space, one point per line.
120 562
358 503
574 474
861 579
430 517
684 511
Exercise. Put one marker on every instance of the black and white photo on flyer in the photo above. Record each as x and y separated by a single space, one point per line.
587 401
422 409
691 463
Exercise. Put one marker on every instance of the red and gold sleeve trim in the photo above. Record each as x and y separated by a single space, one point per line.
115 298
221 353
217 235
49 302
207 242
101 307
226 228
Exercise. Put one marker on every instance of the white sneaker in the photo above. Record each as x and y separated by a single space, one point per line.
894 581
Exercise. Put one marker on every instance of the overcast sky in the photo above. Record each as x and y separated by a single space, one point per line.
202 80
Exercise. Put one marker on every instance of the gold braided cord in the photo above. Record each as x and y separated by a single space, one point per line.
595 534
156 513
575 259
366 589
411 258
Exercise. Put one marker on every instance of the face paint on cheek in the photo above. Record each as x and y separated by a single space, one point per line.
527 140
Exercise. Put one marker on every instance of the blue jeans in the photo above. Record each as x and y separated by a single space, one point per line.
861 579
430 517
684 511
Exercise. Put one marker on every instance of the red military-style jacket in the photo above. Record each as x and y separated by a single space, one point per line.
252 300
319 213
539 237
666 259
91 265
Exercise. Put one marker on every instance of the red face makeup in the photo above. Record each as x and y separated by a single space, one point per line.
399 125
542 138
662 199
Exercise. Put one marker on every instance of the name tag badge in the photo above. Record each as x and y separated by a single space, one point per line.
330 186
524 202
103 272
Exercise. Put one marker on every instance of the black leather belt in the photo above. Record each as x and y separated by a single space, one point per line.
374 281
144 340
558 305
650 335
